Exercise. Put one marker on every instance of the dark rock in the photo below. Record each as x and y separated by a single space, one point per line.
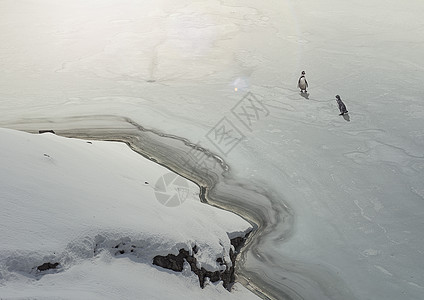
47 266
215 276
176 263
171 262
46 131
238 242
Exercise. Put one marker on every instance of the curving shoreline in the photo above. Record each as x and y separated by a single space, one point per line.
259 265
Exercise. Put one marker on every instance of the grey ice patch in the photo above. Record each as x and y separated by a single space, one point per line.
201 159
249 110
225 136
171 190
196 154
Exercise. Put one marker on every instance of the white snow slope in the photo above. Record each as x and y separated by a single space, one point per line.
80 203
355 186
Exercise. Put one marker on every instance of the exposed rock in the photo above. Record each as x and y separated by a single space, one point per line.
176 263
45 131
171 261
47 266
238 242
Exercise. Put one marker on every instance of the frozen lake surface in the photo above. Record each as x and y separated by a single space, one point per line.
342 198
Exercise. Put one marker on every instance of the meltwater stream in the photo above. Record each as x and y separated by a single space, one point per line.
260 266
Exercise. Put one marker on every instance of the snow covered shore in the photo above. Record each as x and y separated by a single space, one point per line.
92 207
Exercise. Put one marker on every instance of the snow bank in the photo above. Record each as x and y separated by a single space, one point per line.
79 203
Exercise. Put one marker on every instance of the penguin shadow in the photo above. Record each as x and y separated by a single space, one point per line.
305 95
346 117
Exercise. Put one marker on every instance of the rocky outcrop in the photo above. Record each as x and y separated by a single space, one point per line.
176 263
46 131
47 266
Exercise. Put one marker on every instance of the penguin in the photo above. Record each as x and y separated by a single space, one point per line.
342 106
302 83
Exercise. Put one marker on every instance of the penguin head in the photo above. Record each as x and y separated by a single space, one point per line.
337 97
303 73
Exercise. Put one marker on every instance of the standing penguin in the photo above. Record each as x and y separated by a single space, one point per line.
302 83
342 107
